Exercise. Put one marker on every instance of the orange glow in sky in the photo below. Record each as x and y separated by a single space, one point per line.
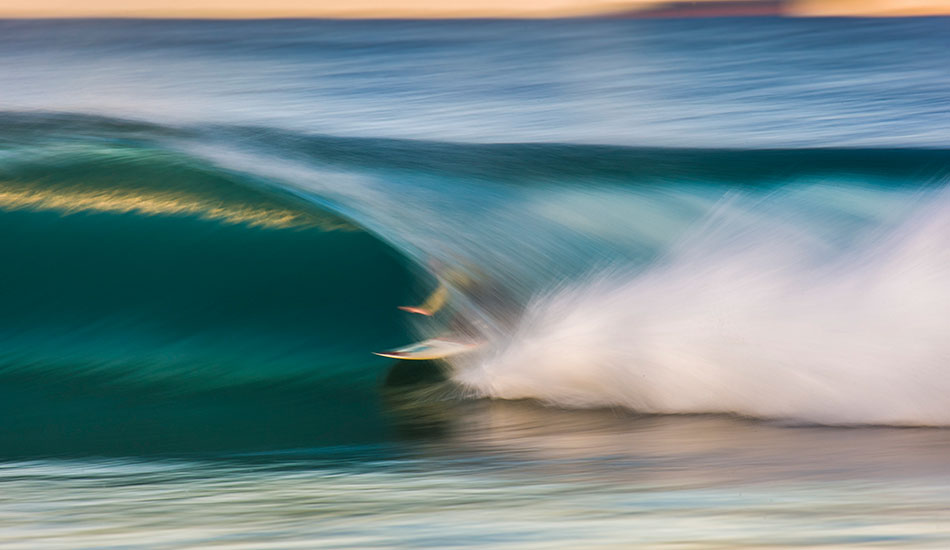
418 8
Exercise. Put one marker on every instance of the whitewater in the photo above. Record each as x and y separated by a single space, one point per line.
758 323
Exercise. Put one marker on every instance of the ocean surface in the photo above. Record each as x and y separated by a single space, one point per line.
709 262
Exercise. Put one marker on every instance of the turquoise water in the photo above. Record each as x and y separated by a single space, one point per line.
508 476
709 262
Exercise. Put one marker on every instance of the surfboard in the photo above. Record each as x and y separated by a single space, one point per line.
433 348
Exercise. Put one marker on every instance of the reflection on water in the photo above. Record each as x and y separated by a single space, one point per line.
715 450
508 475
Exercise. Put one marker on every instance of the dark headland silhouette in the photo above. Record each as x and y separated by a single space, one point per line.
729 8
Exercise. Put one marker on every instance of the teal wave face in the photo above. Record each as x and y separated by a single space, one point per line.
152 303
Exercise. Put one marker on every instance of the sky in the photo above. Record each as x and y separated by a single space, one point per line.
416 8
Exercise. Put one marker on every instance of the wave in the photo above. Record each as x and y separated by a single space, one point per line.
168 262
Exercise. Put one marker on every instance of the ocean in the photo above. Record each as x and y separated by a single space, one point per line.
707 261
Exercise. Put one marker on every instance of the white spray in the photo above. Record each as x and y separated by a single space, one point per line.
750 317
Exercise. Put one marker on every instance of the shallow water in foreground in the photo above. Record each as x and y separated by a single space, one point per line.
508 475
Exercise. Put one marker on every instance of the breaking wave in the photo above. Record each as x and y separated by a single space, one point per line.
169 262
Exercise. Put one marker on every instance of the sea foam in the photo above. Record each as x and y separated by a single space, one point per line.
748 316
